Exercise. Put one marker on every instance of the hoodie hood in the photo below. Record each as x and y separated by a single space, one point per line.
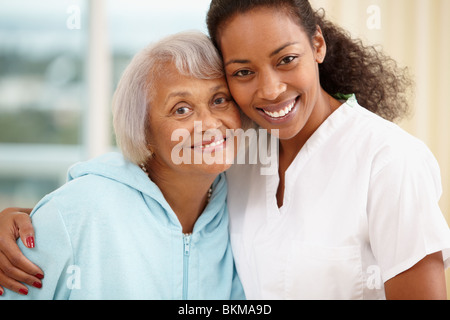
115 167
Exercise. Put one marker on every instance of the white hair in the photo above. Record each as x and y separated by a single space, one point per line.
192 53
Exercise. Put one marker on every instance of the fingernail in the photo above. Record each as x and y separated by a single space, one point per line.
37 284
1 292
30 242
39 276
23 291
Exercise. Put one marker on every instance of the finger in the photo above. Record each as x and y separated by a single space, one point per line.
12 285
12 278
24 210
15 210
11 257
25 228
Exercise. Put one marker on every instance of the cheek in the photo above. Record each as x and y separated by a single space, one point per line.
161 138
301 78
233 118
308 77
241 93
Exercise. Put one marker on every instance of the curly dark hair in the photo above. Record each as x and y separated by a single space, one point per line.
350 67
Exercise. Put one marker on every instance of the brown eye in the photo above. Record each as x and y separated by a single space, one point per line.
182 111
287 60
242 73
220 101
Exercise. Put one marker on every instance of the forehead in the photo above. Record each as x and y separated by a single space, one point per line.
259 28
167 80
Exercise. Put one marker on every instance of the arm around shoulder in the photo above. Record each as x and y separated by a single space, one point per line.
53 254
15 270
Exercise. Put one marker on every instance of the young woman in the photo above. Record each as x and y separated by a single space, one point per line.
352 212
137 226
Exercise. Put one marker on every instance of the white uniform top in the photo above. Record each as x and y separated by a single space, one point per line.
360 207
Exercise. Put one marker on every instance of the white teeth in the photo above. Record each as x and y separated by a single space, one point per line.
213 144
281 113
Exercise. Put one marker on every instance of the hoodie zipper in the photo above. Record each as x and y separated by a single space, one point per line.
187 248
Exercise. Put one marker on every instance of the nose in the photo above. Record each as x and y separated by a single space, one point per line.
270 86
207 120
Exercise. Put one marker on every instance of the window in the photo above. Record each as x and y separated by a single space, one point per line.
59 63
41 97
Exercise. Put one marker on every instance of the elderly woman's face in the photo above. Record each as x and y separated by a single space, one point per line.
191 123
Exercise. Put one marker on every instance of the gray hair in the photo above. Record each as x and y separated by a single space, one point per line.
192 53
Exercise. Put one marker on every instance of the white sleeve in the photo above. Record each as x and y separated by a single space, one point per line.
405 221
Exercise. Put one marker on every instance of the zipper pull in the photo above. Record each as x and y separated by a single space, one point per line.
187 244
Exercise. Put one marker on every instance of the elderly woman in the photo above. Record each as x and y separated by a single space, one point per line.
137 226
352 211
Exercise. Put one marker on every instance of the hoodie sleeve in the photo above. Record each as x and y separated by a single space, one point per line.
53 254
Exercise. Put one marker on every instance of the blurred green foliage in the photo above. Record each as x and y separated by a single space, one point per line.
30 125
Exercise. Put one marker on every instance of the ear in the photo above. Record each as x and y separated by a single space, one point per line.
150 150
319 46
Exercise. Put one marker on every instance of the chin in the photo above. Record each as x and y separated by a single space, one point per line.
214 163
284 133
213 169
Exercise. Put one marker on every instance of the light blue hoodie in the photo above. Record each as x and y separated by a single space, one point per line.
108 233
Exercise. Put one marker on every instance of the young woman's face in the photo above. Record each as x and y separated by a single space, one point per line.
272 69
188 122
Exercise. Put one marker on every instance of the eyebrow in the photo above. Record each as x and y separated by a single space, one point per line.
282 48
217 88
275 52
183 94
237 61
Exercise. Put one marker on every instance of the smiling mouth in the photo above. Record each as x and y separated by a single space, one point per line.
282 112
212 144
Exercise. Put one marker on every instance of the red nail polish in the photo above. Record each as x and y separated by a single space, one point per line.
37 284
30 242
23 291
1 292
39 276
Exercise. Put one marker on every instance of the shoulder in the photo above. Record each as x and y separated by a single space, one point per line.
85 198
399 163
386 142
86 188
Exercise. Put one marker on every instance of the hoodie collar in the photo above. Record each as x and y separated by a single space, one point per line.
115 167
